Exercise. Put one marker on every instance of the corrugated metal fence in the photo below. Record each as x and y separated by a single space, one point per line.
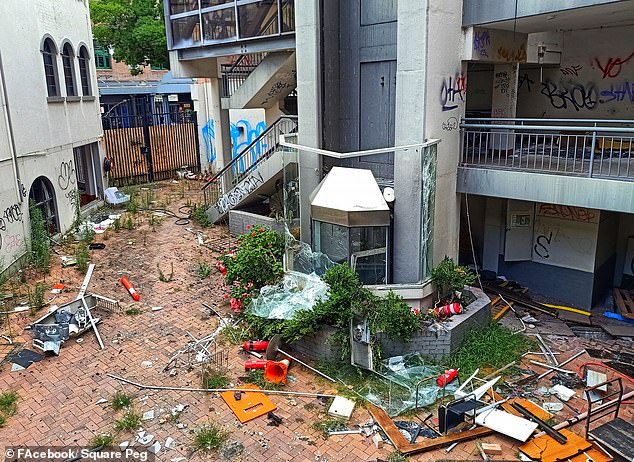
151 147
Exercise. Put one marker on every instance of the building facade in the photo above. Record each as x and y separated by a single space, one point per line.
528 106
50 124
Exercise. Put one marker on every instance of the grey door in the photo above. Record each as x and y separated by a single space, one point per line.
377 107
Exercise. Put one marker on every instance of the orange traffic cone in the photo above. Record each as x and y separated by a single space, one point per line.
275 371
126 283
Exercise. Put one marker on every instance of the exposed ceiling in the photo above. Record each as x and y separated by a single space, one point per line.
605 15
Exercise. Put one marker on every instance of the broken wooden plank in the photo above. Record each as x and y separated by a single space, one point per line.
546 449
406 448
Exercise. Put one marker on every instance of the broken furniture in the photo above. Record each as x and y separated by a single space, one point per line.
617 434
69 319
576 449
624 301
452 414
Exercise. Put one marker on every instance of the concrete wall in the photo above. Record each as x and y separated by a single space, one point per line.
445 89
625 231
594 80
44 132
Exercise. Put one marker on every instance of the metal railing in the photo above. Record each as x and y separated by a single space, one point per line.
234 75
260 149
577 147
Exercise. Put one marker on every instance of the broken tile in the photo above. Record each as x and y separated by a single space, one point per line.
170 443
147 439
155 448
148 415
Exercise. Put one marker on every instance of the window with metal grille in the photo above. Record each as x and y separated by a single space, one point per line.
68 58
84 71
49 54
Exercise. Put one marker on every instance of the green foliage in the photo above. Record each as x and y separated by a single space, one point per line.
129 223
215 380
117 224
448 277
105 440
40 246
203 270
36 298
131 420
256 262
8 403
135 29
491 347
120 401
396 456
3 420
88 235
162 276
82 257
209 437
134 311
328 424
199 215
132 206
394 317
256 377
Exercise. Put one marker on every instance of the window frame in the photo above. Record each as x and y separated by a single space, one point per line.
68 66
103 54
51 72
83 58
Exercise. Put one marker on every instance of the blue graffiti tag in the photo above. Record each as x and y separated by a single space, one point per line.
481 41
209 136
619 92
243 127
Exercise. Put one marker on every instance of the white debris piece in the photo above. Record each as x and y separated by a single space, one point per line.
155 448
564 393
146 364
147 439
170 443
124 444
102 401
157 308
148 415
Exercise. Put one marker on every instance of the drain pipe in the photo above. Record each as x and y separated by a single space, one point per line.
14 155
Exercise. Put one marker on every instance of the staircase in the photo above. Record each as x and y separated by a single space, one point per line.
252 173
259 80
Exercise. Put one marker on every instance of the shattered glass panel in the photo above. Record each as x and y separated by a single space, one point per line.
333 240
295 292
291 191
395 392
301 258
428 202
368 256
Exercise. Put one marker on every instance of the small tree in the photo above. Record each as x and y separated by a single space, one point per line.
40 246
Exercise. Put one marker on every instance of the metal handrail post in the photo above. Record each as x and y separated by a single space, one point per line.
594 141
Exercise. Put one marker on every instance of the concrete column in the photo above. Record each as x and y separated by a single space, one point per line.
410 116
308 26
206 96
494 224
504 103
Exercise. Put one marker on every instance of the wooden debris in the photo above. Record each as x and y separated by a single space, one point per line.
624 300
491 449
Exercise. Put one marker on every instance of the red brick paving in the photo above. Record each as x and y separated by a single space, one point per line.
58 395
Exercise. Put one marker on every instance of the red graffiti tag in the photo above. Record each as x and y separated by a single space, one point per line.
613 66
567 212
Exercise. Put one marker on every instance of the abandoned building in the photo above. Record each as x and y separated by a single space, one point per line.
501 126
50 121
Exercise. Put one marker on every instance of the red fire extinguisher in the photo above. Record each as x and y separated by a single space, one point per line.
254 364
447 377
255 345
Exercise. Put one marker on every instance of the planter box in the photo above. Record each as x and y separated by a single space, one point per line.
440 345
239 220
434 345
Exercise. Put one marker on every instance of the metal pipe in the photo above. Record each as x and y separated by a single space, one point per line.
9 123
548 366
547 128
534 119
219 390
307 366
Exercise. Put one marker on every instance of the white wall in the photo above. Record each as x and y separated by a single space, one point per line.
594 80
446 94
625 232
44 132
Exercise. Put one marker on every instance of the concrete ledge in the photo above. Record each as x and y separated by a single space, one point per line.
239 220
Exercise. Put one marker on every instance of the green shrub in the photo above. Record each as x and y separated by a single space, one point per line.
448 277
203 270
120 401
131 420
199 215
82 257
8 403
105 440
209 437
36 299
40 255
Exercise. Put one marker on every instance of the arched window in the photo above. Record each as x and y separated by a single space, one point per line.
68 58
42 195
49 55
84 71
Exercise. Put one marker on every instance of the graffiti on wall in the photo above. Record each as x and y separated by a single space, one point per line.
571 70
621 92
525 80
243 129
612 67
234 197
570 213
514 54
481 42
451 124
570 95
502 82
209 137
453 91
66 175
10 215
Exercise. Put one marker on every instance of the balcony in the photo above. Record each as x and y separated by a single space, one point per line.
208 28
580 162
